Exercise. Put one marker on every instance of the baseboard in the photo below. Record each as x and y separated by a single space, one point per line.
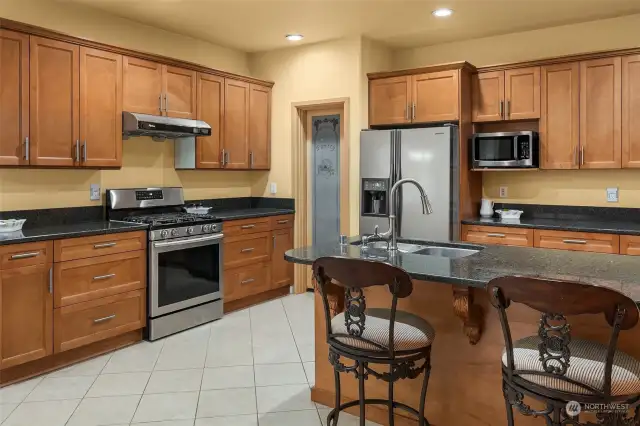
245 302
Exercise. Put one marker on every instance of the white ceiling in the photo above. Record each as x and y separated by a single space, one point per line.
258 25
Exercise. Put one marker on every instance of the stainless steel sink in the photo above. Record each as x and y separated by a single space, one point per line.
402 247
451 252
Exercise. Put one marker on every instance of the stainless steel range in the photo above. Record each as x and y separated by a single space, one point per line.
185 257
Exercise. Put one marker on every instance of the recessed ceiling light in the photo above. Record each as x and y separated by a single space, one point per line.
294 37
442 13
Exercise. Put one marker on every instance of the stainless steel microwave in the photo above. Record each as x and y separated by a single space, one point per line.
505 150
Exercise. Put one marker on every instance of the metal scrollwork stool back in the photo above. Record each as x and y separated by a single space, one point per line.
396 341
562 372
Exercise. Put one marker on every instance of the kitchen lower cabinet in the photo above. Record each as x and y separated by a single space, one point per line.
499 235
630 245
281 269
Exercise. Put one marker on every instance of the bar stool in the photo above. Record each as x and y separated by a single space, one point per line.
398 341
558 370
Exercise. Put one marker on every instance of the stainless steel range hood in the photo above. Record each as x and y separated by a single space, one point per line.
161 128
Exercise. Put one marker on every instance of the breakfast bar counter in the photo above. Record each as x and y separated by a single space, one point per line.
466 383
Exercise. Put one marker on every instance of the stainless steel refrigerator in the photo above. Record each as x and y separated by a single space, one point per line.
428 155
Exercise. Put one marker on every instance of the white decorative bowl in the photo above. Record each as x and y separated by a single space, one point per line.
197 210
509 214
11 225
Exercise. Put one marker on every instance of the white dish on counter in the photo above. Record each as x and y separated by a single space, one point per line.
509 214
11 225
197 210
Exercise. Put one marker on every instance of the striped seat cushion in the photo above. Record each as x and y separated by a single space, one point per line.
586 366
410 332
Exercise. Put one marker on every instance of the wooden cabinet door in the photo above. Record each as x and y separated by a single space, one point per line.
14 98
390 100
631 111
560 116
259 127
54 102
142 86
435 97
281 270
488 96
522 93
26 314
210 109
179 88
236 124
600 113
100 108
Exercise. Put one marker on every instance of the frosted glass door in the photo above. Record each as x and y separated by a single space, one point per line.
325 152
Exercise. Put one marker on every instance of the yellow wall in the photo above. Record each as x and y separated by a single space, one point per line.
570 187
145 163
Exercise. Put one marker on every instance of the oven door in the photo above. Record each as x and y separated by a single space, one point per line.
498 150
185 272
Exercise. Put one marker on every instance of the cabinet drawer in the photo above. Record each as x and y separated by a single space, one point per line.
98 245
28 254
88 279
282 222
499 235
630 245
84 323
246 249
246 226
577 241
247 281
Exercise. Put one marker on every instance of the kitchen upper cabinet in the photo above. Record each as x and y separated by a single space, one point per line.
522 93
14 98
54 102
236 124
506 95
560 116
281 270
435 97
259 127
488 96
210 109
631 111
179 87
390 100
142 86
100 108
600 113
26 304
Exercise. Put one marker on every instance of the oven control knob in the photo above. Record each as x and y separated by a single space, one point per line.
174 232
206 228
190 230
164 234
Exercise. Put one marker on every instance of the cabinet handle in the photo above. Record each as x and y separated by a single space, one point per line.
248 226
103 319
160 102
247 250
26 148
76 146
413 111
582 155
251 159
104 245
574 241
501 109
50 280
25 255
227 156
103 277
496 235
84 151
283 221
247 281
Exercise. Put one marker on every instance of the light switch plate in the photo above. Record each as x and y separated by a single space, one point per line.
503 192
612 195
94 192
273 188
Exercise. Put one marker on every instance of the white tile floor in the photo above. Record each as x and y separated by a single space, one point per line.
252 368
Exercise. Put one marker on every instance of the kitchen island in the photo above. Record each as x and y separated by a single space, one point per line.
465 386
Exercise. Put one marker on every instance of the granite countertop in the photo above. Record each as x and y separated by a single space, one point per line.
233 214
56 232
607 226
618 272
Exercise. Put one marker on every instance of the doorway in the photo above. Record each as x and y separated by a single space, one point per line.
320 159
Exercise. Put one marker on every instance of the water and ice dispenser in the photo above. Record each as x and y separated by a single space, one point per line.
375 197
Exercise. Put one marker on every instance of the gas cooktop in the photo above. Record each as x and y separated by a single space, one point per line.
171 218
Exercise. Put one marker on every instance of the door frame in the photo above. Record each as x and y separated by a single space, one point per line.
301 113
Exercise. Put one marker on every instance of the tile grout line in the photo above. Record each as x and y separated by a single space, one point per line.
253 360
147 384
204 366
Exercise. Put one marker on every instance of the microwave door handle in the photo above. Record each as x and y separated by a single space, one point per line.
516 154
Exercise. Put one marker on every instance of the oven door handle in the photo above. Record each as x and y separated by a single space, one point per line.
191 242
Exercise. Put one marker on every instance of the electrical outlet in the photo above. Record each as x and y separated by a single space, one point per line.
94 192
612 195
503 192
273 188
